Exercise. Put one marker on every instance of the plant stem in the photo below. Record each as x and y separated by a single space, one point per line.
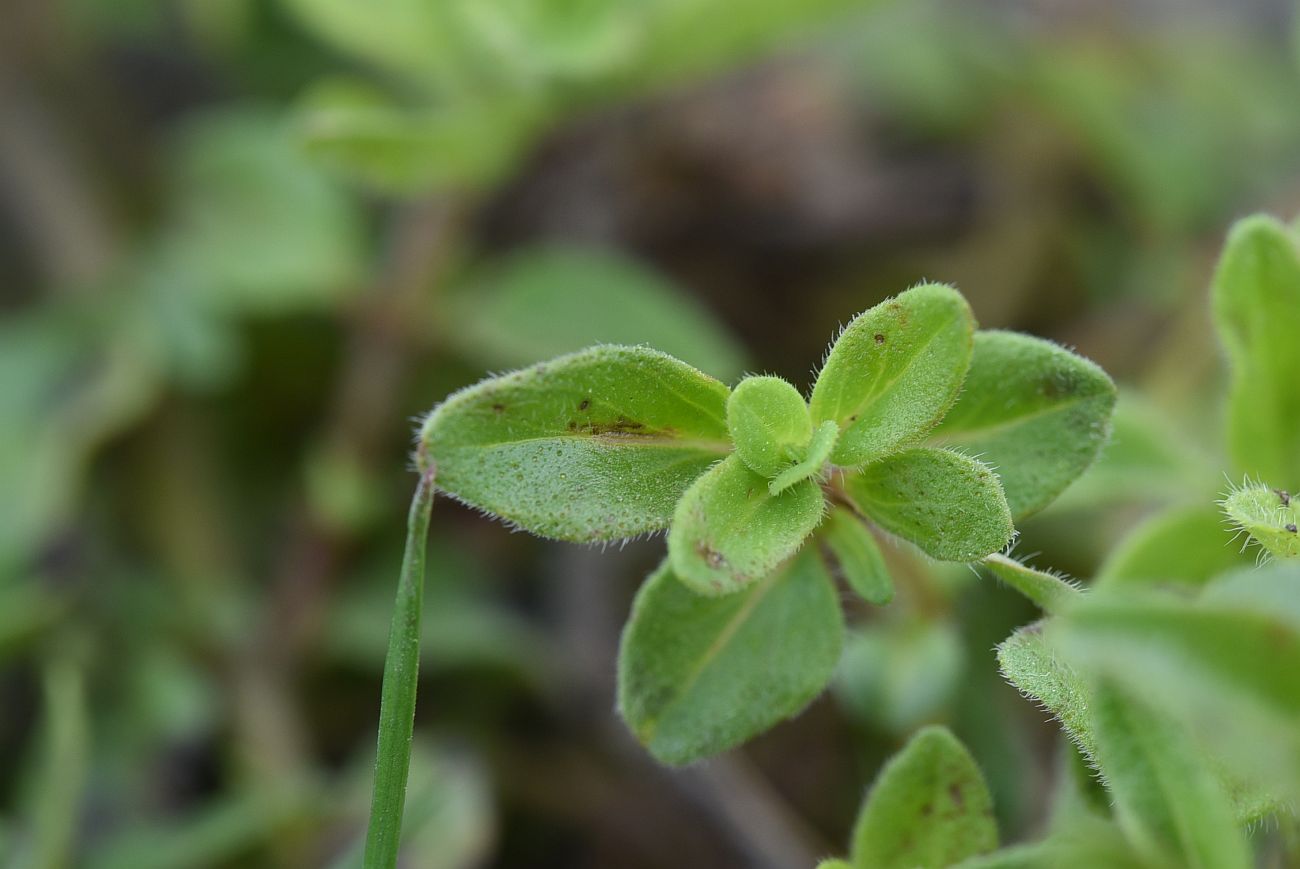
401 677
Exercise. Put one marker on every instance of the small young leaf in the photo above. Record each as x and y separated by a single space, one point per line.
949 505
1184 545
1269 516
729 530
1031 665
1034 411
859 556
929 808
698 675
814 461
597 445
769 424
894 371
1257 311
1049 591
1167 800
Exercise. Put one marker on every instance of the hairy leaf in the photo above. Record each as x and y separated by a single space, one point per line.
1269 516
1049 591
949 505
729 530
597 445
1166 799
1034 668
859 556
769 424
1183 545
1034 411
698 675
929 808
894 371
1228 666
1257 311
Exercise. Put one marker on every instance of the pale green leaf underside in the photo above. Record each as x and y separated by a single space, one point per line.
597 445
1049 591
1035 412
1268 516
858 555
769 424
894 371
950 506
1167 800
699 675
1257 311
929 808
1183 545
729 531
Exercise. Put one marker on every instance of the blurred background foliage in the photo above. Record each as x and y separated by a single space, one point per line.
243 244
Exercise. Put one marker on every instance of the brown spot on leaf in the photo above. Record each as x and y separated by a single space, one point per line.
499 407
712 557
584 404
880 337
1284 496
958 798
1290 526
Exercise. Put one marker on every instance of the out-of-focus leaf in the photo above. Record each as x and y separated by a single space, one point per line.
894 371
1228 667
1184 545
1167 801
729 531
1268 516
254 228
898 674
858 555
1257 311
597 445
352 127
1050 592
834 863
545 301
769 424
949 505
1035 412
698 675
1087 841
929 808
1147 460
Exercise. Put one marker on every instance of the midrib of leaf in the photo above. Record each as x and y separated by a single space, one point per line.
983 431
647 729
660 440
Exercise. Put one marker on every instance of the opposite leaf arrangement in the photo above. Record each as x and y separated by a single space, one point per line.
741 626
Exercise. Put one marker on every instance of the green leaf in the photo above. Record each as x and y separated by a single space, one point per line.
814 461
729 530
894 371
698 675
858 555
1050 592
1257 311
597 445
544 301
353 128
949 505
899 673
1034 411
1268 516
1166 799
1038 672
834 863
929 808
1184 545
769 424
401 680
1228 666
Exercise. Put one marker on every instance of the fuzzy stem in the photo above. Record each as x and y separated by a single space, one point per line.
401 676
